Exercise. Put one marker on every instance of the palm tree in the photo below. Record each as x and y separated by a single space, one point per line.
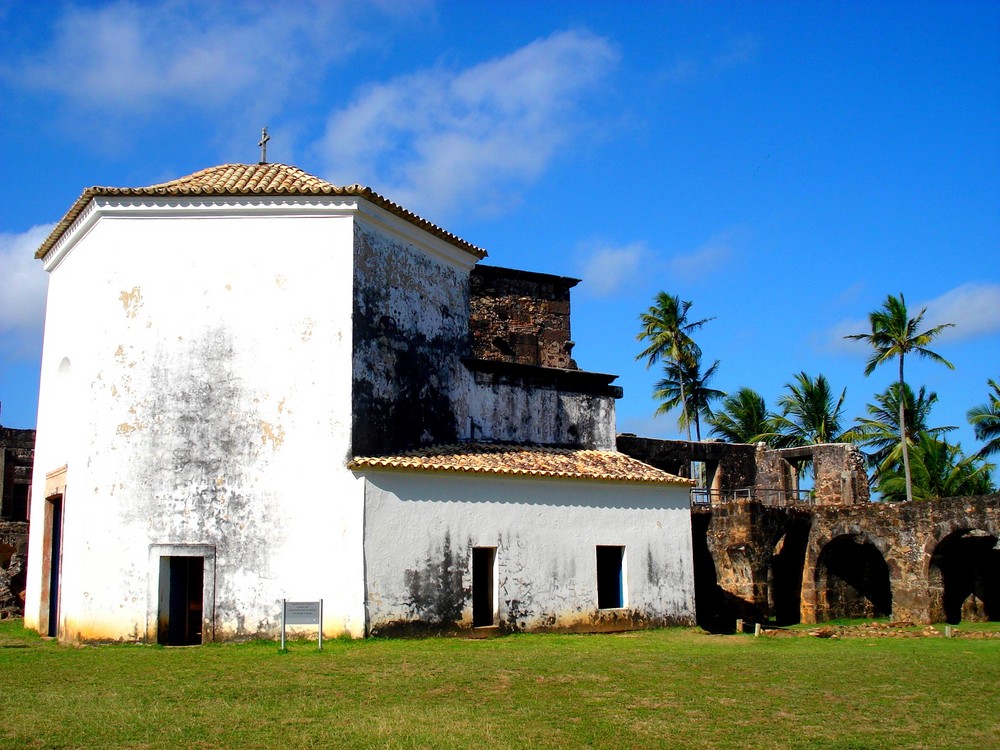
985 421
894 334
940 469
666 328
809 413
880 430
743 417
684 383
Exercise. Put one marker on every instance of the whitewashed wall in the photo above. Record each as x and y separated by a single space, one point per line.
420 529
196 379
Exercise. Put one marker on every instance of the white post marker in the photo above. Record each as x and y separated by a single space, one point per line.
302 613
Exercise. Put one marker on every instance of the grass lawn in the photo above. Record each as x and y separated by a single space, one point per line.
674 688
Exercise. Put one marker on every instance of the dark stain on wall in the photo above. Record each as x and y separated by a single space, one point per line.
203 428
436 595
410 327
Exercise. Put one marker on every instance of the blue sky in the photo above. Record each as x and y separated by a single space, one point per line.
784 166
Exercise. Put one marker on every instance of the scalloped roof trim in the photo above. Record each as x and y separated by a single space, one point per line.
522 460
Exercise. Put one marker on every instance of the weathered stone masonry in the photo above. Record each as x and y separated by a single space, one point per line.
521 316
761 554
17 450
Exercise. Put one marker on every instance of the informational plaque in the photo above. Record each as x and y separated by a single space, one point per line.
302 613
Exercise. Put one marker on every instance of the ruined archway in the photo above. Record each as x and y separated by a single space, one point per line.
852 580
711 611
964 577
785 572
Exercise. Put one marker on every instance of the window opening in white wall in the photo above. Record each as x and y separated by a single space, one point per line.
484 600
610 577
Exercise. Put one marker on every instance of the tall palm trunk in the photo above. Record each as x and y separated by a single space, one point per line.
684 405
902 435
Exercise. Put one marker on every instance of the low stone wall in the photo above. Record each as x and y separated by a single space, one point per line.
763 563
13 567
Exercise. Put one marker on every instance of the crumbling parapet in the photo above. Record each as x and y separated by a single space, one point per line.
521 317
839 476
730 467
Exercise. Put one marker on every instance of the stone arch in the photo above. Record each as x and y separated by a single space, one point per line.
784 574
849 577
963 574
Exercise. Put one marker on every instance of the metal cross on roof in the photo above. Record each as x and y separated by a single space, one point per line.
264 138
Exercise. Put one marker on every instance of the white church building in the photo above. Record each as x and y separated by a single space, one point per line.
258 386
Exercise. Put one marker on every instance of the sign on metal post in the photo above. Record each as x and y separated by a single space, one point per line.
302 613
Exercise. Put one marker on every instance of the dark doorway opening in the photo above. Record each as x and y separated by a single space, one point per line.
484 613
712 611
179 622
965 578
610 586
787 564
852 580
51 560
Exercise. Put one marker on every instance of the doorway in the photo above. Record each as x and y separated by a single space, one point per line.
182 583
484 608
51 558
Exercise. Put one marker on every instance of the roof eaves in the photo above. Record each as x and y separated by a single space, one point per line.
320 188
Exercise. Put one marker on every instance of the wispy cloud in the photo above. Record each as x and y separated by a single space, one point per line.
974 308
440 139
738 51
22 292
135 58
704 261
607 270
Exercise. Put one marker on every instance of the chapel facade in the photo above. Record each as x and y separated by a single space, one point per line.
259 386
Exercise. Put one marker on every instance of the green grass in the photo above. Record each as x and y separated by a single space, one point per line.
674 688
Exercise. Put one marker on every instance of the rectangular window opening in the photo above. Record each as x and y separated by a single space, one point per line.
610 577
484 599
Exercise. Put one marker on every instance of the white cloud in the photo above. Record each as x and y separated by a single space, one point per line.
135 57
607 270
439 139
704 261
974 308
22 292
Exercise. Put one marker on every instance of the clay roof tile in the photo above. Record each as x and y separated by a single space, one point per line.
252 179
522 460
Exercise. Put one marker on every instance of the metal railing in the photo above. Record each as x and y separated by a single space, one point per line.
707 496
774 496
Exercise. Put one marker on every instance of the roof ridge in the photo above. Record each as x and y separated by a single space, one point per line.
264 178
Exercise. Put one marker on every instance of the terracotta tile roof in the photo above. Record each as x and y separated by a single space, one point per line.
522 460
253 179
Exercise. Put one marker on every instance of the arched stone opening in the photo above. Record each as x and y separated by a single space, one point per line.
711 611
785 573
964 578
852 580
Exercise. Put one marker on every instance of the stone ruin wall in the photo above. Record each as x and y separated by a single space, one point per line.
733 465
521 317
17 451
763 562
839 472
